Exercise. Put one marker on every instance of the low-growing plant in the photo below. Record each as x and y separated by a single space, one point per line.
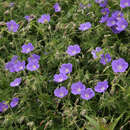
64 65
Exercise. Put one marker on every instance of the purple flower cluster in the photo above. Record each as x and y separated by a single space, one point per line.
64 69
15 65
96 52
33 62
72 50
84 6
79 88
4 106
102 3
104 58
119 65
116 22
105 12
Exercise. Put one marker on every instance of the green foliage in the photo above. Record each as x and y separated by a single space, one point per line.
38 108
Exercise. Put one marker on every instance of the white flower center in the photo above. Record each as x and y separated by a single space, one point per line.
119 67
61 94
28 49
102 88
16 83
73 51
67 70
45 20
78 89
86 95
21 67
126 4
123 26
34 66
11 27
113 22
60 79
118 18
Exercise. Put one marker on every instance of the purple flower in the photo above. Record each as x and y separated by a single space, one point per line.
28 18
103 4
11 4
89 5
119 65
12 26
60 77
34 58
3 106
19 66
95 52
117 15
77 88
14 58
105 59
99 1
57 7
101 87
10 65
26 48
111 22
32 66
121 24
44 18
124 3
104 19
82 6
87 94
15 65
85 26
114 29
14 102
16 82
60 92
105 11
66 68
73 50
